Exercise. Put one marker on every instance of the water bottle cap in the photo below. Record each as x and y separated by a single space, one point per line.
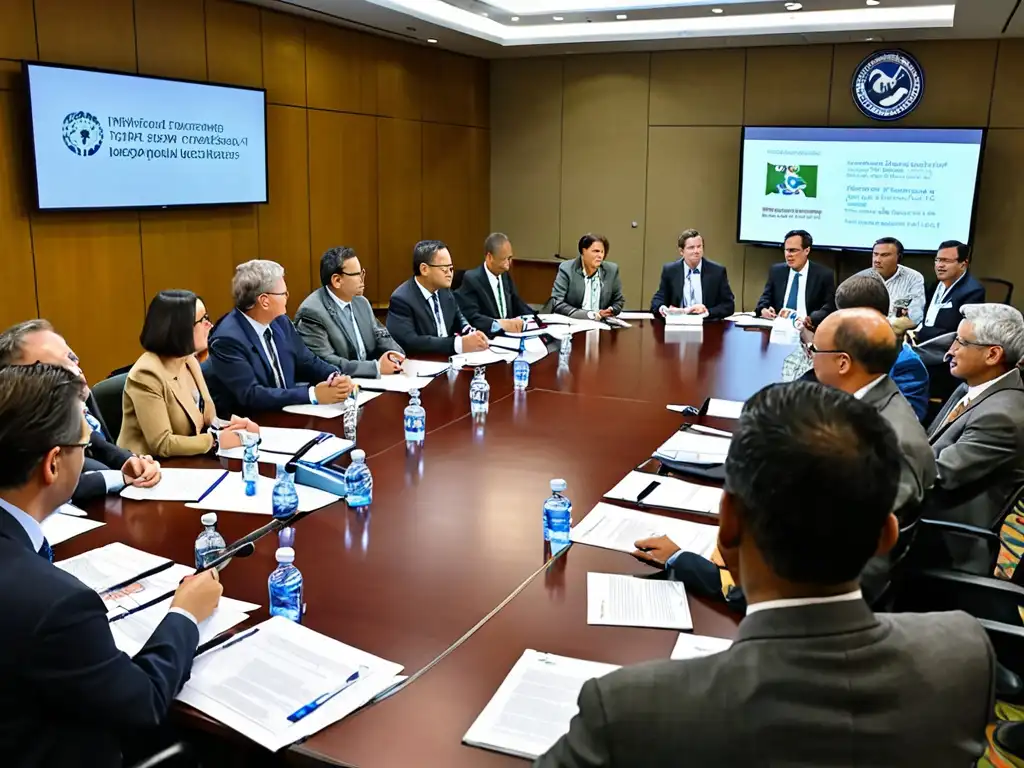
285 555
210 518
558 485
414 393
358 455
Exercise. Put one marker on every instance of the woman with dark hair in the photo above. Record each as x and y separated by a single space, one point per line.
588 287
168 410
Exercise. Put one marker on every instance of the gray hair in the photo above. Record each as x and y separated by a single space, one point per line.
494 241
999 325
252 279
12 341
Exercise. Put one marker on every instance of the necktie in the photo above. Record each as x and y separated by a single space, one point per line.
94 424
691 292
437 314
350 316
794 292
595 295
275 364
46 550
955 413
501 300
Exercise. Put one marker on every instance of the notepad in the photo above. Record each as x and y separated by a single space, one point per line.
628 601
176 484
695 646
276 450
667 492
611 527
534 705
693 448
60 527
229 496
331 410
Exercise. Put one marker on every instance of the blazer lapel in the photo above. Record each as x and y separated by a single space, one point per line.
257 346
334 311
705 285
189 404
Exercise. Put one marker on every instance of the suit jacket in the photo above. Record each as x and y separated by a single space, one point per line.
911 377
67 692
161 420
819 294
327 334
714 287
567 292
100 454
820 686
966 291
241 379
477 302
411 320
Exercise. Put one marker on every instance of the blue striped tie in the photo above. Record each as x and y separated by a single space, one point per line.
46 550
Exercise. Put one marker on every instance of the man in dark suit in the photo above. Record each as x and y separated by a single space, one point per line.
814 677
799 286
68 696
107 468
693 285
487 296
257 360
954 287
424 316
337 324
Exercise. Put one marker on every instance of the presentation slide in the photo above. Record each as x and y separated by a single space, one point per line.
118 141
850 186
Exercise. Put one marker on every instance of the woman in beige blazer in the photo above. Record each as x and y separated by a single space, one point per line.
168 410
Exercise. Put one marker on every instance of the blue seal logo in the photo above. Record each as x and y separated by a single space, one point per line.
82 133
888 85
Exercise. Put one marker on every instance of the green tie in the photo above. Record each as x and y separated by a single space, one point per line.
501 300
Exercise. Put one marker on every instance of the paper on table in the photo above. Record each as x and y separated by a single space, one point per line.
254 684
784 331
230 496
112 564
636 315
709 431
176 484
331 410
576 323
132 632
668 492
627 601
724 409
396 382
695 646
692 448
553 319
286 440
739 315
156 586
483 357
58 528
532 333
533 706
70 509
753 322
611 527
535 348
679 319
424 367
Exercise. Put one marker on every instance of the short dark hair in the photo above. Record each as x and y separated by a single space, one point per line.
494 241
806 241
331 263
170 319
423 253
589 239
12 341
875 359
963 250
863 291
892 241
40 409
814 472
685 235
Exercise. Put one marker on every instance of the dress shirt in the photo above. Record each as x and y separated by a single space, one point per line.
261 329
936 304
592 291
692 282
500 299
29 523
342 304
801 295
973 393
113 479
907 283
442 329
859 394
796 602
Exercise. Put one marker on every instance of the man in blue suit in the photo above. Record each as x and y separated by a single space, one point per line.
693 284
68 696
798 286
258 362
955 288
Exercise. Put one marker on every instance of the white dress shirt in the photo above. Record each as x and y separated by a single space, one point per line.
693 294
796 602
260 329
342 304
592 292
859 394
801 295
941 291
442 329
973 393
500 299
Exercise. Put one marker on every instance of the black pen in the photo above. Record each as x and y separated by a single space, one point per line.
232 641
647 491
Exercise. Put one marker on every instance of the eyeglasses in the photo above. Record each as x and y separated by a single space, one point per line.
275 293
967 343
813 350
83 444
360 273
203 319
947 261
446 268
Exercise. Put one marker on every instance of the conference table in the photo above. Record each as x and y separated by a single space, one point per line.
447 572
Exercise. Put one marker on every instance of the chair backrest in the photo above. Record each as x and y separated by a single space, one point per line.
108 394
997 290
457 279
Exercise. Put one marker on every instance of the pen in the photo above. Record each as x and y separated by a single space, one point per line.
209 490
647 491
233 640
319 701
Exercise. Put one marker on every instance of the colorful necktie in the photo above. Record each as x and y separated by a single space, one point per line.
794 292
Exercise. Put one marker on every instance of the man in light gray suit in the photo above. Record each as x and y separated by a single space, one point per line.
814 677
588 287
338 324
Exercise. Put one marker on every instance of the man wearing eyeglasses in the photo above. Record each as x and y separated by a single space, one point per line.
954 288
338 325
424 316
978 436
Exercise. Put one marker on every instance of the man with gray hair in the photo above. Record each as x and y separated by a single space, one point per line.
488 297
978 436
257 360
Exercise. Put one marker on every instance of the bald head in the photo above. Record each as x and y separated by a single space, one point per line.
853 348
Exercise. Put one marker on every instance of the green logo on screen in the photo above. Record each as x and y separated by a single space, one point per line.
792 180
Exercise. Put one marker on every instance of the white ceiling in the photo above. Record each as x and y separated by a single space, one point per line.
486 27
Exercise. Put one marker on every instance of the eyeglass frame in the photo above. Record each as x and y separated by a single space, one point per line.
204 319
360 273
448 268
813 350
967 343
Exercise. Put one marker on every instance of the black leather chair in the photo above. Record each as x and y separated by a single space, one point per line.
997 290
108 394
457 279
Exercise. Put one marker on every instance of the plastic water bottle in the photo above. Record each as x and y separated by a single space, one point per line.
285 587
557 516
415 419
359 481
210 543
521 368
350 415
286 537
479 393
285 501
566 348
250 466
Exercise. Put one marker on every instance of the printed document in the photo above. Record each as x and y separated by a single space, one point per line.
115 563
133 632
59 527
628 601
535 348
694 646
424 367
692 448
483 357
396 382
176 485
331 410
611 527
667 492
229 496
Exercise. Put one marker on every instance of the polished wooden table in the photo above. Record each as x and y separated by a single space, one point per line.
455 530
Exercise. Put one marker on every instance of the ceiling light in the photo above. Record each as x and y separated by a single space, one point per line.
793 6
431 40
621 16
874 2
717 10
515 18
558 18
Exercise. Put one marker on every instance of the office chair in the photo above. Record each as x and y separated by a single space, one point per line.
997 290
108 394
457 279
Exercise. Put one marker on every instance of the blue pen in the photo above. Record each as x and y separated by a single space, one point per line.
319 701
209 490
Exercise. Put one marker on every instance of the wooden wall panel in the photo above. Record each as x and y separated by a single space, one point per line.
454 89
284 223
479 180
10 75
103 37
17 288
446 196
171 38
18 30
234 45
284 58
399 81
788 86
698 87
400 199
1008 91
1000 226
340 72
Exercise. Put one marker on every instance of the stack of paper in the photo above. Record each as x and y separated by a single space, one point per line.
636 315
611 527
133 631
229 496
176 484
117 563
279 444
724 409
693 448
747 321
576 323
533 706
535 348
667 492
331 410
696 646
683 320
399 382
629 601
483 357
253 682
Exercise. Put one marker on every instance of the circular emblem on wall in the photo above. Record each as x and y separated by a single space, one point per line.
82 133
888 85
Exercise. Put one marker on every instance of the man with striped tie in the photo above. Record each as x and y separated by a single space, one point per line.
798 287
693 285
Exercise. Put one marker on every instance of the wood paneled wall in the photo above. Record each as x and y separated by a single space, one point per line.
372 143
643 146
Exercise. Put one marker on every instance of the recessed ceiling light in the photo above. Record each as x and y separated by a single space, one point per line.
431 40
558 18
717 10
515 18
621 16
874 2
